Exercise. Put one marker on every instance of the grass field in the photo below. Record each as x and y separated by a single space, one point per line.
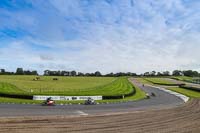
106 86
71 86
46 85
143 81
161 81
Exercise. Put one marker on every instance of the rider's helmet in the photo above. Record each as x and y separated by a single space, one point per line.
49 99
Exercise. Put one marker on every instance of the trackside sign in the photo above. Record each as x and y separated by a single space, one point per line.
66 98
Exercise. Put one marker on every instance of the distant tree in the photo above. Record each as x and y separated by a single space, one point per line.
54 73
190 73
133 74
2 71
176 73
159 74
97 73
67 73
62 73
73 73
58 73
153 73
146 74
166 73
46 72
195 74
87 74
27 72
80 74
34 73
19 71
109 75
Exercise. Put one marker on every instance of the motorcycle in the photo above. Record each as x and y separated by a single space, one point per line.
90 101
153 94
49 102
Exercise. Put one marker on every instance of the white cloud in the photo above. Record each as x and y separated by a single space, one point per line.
161 35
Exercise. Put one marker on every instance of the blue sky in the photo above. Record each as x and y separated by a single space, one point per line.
104 35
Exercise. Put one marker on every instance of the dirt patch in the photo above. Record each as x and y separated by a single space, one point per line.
182 119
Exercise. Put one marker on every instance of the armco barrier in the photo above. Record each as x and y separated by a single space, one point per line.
66 98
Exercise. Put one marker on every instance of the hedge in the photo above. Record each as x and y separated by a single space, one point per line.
120 96
20 96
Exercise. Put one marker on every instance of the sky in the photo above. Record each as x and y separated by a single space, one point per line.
103 35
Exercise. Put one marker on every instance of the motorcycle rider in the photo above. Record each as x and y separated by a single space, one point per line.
90 101
48 99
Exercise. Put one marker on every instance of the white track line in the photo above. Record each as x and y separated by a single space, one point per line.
181 96
81 112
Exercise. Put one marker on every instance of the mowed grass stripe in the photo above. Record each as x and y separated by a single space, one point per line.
9 88
118 87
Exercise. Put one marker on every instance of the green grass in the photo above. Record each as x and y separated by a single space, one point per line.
143 81
105 86
139 94
182 78
47 84
195 80
65 86
161 81
189 93
9 88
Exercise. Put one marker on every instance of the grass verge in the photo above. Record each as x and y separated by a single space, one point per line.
189 93
161 81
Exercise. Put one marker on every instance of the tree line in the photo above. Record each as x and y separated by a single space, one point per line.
96 74
189 73
21 71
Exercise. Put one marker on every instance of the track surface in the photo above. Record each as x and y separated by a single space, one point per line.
182 119
162 100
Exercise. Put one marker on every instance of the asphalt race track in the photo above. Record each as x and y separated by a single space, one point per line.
162 100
